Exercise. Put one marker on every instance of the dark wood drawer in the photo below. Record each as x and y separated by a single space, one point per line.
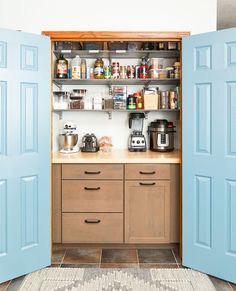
92 227
147 171
92 196
92 171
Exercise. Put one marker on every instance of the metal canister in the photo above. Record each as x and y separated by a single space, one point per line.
173 100
107 72
164 100
130 72
115 70
123 72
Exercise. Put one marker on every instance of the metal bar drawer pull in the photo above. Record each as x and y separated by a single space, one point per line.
92 173
147 173
147 184
90 188
92 220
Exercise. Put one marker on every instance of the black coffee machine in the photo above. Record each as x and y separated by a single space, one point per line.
137 141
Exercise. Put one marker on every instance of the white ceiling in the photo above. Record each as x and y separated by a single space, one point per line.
226 14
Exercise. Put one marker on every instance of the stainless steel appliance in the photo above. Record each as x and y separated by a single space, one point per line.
137 141
161 135
89 143
68 140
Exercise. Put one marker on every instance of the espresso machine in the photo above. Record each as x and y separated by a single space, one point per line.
137 141
69 138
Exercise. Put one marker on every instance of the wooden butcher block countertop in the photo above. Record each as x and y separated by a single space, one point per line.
117 157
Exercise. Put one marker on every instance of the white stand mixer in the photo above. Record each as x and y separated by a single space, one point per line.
68 140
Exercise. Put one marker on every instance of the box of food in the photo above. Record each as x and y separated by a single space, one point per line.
155 63
151 101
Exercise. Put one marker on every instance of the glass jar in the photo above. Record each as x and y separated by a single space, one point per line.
61 67
143 70
177 70
99 69
139 100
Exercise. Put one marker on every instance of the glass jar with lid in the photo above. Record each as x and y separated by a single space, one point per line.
99 69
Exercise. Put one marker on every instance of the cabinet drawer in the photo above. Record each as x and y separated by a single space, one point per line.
95 171
92 196
92 228
147 171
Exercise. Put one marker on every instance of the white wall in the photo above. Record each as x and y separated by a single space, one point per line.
128 15
135 15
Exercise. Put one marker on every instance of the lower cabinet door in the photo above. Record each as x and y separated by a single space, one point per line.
92 227
147 211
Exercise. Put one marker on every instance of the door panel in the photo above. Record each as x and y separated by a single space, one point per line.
24 153
209 153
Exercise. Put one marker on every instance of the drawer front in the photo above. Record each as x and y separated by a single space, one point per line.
92 227
92 196
147 171
91 172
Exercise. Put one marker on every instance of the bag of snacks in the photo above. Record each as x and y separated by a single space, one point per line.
105 144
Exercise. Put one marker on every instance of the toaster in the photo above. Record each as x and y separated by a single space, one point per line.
89 143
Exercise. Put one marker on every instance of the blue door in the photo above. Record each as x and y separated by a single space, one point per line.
209 153
24 153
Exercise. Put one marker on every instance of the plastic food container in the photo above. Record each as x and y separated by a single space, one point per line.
60 99
155 63
78 93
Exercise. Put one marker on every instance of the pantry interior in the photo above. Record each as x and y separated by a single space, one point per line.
118 166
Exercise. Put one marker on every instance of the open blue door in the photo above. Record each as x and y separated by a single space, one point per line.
209 153
24 153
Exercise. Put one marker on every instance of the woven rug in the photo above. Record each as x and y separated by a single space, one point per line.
92 279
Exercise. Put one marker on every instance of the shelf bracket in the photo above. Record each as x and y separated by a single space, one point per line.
59 86
109 115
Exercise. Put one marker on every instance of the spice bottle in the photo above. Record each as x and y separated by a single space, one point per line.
143 70
139 100
83 69
61 67
99 69
177 70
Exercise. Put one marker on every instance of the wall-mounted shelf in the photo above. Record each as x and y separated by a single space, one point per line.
110 111
144 82
119 54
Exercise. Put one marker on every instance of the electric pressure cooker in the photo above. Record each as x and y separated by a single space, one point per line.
161 135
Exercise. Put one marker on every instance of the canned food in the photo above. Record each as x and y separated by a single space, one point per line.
130 72
107 72
164 100
123 72
115 70
173 100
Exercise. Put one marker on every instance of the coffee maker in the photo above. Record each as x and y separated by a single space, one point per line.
69 138
137 141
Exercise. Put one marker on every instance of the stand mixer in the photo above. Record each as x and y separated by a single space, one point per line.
68 140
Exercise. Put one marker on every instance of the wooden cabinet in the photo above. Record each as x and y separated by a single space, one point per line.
92 227
92 203
147 171
147 211
92 196
92 171
151 203
115 203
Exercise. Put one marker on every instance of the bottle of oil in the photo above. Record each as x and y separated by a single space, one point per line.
61 67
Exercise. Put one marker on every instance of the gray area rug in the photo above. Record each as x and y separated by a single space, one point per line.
92 279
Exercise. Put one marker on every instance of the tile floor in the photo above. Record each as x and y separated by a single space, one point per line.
115 257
